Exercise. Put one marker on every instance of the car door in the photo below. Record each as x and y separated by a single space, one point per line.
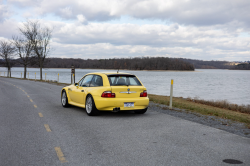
79 91
72 91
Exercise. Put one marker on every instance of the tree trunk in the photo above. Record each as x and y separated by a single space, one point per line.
9 72
25 71
41 72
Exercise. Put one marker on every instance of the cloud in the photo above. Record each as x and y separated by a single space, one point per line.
81 19
106 51
109 40
24 3
122 40
4 12
217 30
188 12
173 35
8 28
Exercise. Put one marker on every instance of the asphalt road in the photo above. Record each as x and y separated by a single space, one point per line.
36 130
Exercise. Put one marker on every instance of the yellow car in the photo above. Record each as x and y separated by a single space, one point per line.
107 92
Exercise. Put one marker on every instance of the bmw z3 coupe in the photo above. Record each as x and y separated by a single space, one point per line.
107 92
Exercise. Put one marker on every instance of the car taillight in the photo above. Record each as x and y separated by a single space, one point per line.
108 94
144 94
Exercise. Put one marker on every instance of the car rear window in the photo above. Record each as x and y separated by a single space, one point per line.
116 80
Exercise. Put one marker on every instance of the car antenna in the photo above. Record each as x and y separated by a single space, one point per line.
118 71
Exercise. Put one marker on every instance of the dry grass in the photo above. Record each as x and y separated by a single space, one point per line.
204 109
223 104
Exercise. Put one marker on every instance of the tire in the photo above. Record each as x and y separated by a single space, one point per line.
64 99
141 111
90 107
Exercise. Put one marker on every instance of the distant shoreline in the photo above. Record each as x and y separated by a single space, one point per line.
117 69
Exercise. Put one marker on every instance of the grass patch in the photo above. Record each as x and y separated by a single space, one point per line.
203 109
223 104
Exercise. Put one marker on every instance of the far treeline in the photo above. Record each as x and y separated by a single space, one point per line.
139 63
242 66
199 64
144 63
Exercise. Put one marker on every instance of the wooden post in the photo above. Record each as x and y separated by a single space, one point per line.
73 74
58 78
171 94
35 76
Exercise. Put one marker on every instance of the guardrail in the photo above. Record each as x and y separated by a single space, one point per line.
28 76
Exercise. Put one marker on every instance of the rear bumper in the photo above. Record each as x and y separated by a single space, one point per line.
108 104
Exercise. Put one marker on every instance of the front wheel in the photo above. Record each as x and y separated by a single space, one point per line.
141 111
91 110
64 99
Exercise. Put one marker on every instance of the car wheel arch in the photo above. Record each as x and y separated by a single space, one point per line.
63 90
94 111
89 94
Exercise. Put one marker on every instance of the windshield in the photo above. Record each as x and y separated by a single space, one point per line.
119 80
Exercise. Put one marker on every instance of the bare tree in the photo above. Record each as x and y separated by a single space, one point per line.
7 52
24 49
40 38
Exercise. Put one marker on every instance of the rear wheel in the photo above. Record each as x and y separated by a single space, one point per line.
141 111
64 99
90 107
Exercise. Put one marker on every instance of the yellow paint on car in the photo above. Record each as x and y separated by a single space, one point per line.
76 95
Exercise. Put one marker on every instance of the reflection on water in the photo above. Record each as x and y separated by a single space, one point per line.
209 84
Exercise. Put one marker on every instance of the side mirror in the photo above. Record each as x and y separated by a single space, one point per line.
76 84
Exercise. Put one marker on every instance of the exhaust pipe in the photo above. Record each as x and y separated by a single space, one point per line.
116 109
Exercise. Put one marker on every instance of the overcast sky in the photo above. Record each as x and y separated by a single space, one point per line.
195 29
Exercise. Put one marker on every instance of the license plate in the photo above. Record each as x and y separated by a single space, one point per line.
128 104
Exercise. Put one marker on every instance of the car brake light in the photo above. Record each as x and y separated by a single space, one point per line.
144 94
108 94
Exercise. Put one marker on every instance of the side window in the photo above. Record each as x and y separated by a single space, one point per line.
80 82
86 81
96 81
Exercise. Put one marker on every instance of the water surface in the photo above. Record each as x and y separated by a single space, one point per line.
209 84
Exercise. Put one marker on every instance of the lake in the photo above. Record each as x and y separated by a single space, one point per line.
208 84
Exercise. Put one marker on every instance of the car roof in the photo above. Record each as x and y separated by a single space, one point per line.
111 73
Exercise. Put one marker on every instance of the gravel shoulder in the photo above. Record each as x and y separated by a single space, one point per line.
212 121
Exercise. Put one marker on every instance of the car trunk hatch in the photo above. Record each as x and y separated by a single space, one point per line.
127 91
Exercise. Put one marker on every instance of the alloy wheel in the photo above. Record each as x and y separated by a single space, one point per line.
64 98
89 105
